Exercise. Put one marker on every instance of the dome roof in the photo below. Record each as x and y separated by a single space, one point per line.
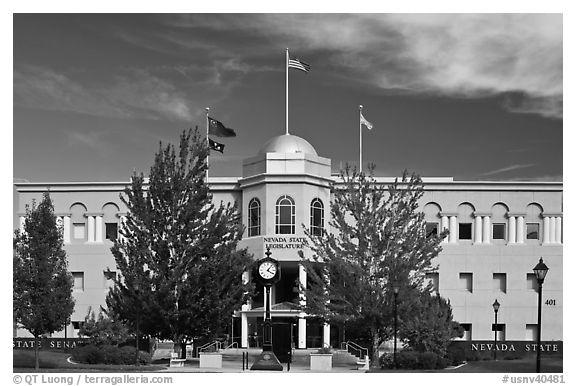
287 144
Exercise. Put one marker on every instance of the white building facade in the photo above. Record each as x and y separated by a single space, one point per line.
498 232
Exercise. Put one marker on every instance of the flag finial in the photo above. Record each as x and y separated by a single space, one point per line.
360 107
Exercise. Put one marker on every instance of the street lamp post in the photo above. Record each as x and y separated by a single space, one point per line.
540 270
396 289
496 306
137 293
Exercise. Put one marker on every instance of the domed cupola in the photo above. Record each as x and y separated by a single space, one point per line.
288 143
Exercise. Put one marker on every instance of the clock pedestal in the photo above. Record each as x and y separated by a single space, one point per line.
267 360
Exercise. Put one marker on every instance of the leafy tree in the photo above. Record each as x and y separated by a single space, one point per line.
378 239
427 323
42 285
104 330
180 271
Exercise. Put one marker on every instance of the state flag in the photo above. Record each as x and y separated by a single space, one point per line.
216 146
218 129
364 122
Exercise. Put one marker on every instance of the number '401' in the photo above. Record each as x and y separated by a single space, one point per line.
550 302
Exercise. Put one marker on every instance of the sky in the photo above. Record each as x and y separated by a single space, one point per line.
469 96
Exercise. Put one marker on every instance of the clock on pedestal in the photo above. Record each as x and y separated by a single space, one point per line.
267 272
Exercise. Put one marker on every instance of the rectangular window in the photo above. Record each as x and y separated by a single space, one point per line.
499 282
466 281
79 231
111 231
77 324
531 332
500 331
532 231
531 282
498 231
433 278
431 229
465 231
467 331
78 281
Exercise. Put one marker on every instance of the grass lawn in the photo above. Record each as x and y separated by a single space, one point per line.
56 361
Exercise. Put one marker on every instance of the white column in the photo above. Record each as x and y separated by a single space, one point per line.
90 229
244 332
66 229
244 317
546 230
520 229
553 230
511 230
326 335
445 226
477 229
120 226
486 229
559 230
99 229
22 221
453 230
302 278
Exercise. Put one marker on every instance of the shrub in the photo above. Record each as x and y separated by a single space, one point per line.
107 354
441 362
427 360
325 350
407 359
455 355
88 354
387 360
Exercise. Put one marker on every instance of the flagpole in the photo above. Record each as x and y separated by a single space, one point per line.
207 144
287 59
360 127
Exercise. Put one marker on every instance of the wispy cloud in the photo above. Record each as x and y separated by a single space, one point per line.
463 55
507 169
128 94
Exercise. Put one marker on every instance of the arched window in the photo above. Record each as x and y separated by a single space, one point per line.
316 217
254 217
285 215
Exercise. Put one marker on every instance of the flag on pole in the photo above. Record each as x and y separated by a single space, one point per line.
216 146
364 122
298 64
218 129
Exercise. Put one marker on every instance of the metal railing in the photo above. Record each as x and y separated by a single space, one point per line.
232 345
215 346
354 349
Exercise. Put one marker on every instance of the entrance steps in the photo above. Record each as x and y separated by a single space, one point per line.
340 358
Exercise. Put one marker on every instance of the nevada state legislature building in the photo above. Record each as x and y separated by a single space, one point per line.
498 232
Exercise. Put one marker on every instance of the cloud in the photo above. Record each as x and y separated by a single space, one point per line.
128 94
462 55
507 169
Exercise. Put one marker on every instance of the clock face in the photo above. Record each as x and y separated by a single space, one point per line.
267 270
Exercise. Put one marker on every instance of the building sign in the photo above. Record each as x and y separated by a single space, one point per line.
285 242
527 347
516 346
46 343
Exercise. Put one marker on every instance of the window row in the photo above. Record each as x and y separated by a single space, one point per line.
108 280
285 218
500 328
499 231
466 282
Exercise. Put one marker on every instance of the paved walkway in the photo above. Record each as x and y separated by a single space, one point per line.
232 363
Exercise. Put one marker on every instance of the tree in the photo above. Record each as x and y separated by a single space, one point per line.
42 285
104 330
427 323
379 239
180 270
